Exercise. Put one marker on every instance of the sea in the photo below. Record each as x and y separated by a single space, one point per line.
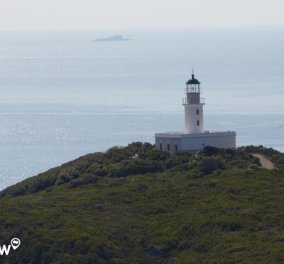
64 95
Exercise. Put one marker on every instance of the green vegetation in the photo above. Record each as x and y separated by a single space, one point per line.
139 205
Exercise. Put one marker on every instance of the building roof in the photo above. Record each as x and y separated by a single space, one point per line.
193 80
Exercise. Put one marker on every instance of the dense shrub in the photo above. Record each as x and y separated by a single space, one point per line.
140 158
90 179
208 165
177 216
210 151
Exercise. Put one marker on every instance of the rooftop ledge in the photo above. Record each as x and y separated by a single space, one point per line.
205 133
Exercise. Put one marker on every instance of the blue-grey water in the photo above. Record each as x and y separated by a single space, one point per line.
64 95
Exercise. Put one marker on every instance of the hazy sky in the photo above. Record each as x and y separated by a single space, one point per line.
94 14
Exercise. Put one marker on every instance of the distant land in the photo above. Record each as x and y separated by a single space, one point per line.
113 38
136 204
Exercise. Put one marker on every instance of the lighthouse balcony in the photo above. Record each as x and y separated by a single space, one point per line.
187 101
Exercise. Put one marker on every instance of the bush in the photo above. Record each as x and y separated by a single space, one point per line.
210 151
90 179
209 165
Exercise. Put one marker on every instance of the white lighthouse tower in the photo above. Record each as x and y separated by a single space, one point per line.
193 107
194 137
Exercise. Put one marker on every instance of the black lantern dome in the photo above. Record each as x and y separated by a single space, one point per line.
192 80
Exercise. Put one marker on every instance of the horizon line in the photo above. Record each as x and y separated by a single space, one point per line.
140 28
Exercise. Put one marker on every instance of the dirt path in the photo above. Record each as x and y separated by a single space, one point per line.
265 162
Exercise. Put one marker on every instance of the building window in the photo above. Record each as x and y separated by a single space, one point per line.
168 147
197 122
161 146
197 111
176 147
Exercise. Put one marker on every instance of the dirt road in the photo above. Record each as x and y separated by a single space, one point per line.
265 162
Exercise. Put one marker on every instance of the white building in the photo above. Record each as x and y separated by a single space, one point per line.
194 137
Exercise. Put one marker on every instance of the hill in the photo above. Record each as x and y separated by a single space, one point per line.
139 205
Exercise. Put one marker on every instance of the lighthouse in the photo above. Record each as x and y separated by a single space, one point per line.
194 137
193 107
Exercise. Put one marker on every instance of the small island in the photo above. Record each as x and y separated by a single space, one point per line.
113 38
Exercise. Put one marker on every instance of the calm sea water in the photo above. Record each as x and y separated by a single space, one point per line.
64 95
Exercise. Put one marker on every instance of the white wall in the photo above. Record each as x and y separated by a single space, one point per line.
221 140
191 118
173 142
192 142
